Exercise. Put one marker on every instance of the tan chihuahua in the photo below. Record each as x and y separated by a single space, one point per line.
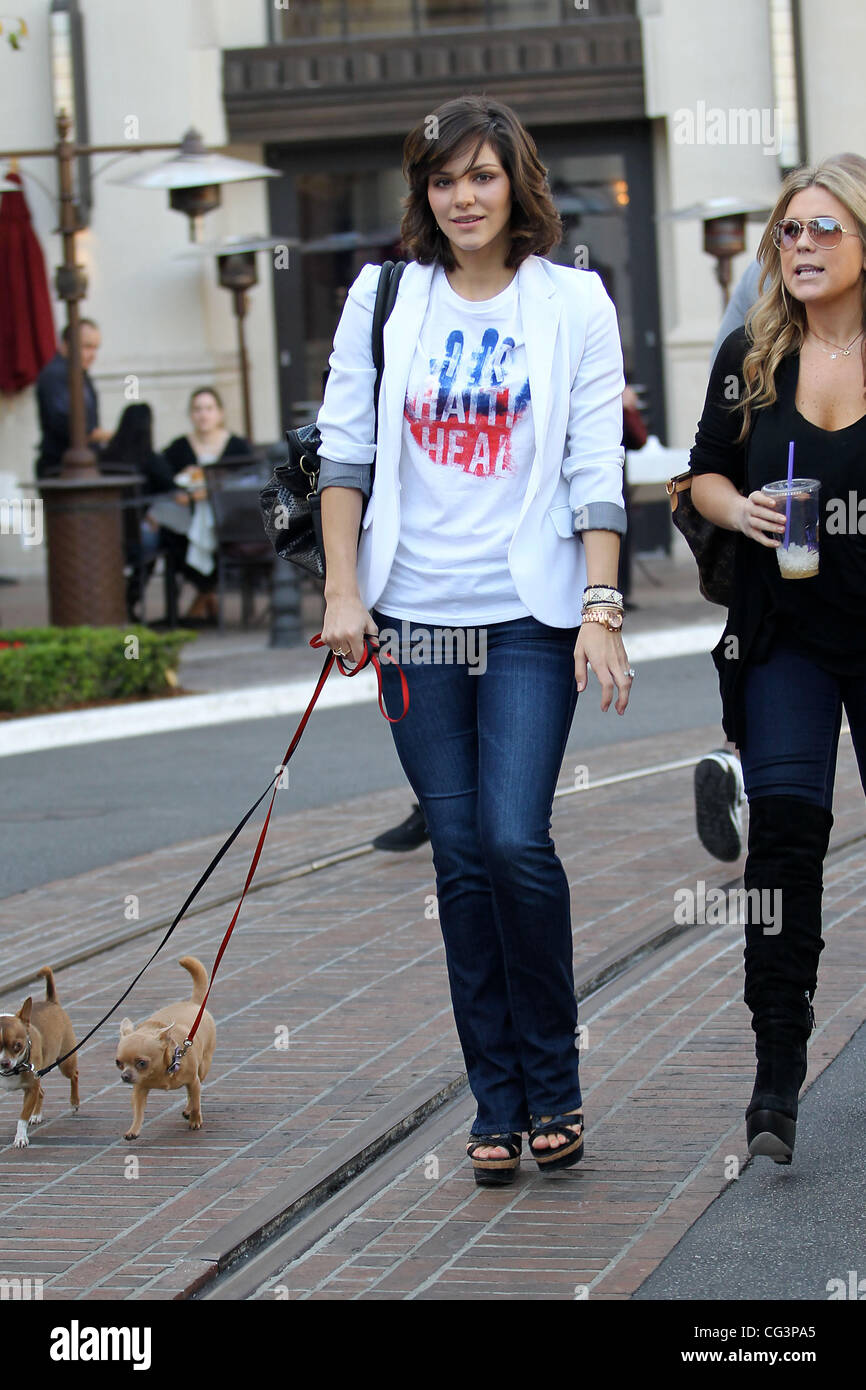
145 1054
29 1040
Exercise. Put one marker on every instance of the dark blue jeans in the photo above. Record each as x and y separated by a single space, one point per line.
793 716
482 753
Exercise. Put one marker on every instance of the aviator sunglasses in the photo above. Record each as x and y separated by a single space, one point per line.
824 232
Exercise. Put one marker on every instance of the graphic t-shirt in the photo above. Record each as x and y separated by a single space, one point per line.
468 445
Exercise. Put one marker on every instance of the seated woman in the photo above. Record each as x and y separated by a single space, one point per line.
208 442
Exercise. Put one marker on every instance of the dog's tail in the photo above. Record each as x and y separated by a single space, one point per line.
50 991
199 977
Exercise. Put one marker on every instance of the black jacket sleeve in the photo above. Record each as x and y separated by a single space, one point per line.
715 448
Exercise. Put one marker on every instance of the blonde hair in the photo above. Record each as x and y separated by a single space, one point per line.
776 324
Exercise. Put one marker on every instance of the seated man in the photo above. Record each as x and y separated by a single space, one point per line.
52 396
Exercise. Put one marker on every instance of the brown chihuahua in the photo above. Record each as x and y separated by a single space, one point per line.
29 1040
145 1054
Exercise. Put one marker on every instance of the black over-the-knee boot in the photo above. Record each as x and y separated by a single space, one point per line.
788 839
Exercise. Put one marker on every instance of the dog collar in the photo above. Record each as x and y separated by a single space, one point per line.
24 1064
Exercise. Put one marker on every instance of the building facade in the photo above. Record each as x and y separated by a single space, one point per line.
638 108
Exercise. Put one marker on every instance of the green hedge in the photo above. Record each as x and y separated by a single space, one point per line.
53 668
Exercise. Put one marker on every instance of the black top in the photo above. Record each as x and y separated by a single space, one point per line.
155 473
823 615
52 398
180 453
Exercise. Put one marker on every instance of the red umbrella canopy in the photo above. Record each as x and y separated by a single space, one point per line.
27 336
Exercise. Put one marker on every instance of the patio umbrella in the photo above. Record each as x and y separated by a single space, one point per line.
27 335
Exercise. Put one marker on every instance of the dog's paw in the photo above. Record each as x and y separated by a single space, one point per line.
36 1119
21 1141
195 1122
132 1134
186 1114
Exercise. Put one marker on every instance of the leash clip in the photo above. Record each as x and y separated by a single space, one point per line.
179 1054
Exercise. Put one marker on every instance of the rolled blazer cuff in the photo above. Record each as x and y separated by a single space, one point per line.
334 474
600 516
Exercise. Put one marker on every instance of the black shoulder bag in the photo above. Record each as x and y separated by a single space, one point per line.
290 502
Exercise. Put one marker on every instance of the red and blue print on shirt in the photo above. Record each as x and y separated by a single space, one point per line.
464 414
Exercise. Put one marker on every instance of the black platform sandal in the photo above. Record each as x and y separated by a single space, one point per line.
566 1155
495 1172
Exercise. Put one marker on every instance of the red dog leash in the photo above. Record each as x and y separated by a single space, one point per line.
371 657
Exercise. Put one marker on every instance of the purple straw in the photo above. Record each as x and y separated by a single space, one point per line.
788 497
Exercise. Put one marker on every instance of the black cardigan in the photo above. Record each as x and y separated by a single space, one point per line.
824 616
181 455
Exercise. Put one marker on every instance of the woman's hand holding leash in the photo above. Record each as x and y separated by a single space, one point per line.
344 626
606 655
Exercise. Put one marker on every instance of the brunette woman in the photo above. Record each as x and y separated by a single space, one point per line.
207 442
497 498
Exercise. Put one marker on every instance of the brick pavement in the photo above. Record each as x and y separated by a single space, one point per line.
666 1075
347 965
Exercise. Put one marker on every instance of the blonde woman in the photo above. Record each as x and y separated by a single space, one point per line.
793 653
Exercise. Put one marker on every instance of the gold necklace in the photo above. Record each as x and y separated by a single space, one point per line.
845 351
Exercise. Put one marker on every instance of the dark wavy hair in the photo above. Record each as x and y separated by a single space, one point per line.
132 442
535 226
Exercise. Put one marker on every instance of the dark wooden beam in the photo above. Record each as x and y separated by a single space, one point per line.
330 88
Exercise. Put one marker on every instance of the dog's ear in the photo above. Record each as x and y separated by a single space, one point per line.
165 1033
25 1010
126 1027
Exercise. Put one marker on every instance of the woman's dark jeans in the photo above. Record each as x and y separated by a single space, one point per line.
482 753
793 716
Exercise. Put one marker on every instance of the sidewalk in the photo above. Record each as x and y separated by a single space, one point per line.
345 966
336 1040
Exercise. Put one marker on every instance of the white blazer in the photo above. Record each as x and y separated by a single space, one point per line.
574 359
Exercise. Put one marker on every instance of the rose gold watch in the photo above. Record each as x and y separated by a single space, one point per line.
610 618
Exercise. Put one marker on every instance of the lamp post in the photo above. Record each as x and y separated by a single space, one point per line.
193 178
724 222
82 507
237 272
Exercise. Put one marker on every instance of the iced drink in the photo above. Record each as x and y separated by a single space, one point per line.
798 558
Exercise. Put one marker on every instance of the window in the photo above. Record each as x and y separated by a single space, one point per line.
310 19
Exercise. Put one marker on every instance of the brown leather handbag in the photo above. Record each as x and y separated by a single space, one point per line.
713 547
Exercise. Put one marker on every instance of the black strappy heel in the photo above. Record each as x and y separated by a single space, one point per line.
566 1154
495 1172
